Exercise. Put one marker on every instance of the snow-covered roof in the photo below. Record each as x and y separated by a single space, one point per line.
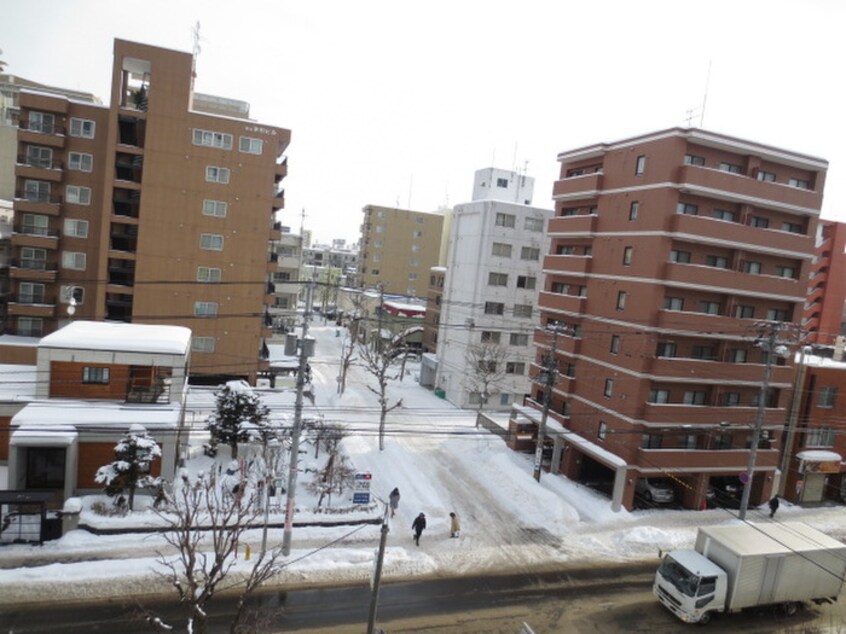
120 337
17 340
41 435
63 414
819 455
405 307
817 361
17 382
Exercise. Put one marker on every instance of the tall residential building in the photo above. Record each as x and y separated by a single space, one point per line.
286 280
825 309
397 249
158 208
667 251
488 303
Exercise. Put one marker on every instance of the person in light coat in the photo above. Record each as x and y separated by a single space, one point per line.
454 525
393 500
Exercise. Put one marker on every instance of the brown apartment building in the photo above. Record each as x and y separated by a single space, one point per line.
825 309
667 252
158 208
397 249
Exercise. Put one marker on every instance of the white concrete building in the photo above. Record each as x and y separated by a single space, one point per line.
490 293
492 183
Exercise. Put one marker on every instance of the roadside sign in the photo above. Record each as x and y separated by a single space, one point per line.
743 477
361 498
361 487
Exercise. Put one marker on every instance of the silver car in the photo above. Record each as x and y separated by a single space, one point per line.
656 490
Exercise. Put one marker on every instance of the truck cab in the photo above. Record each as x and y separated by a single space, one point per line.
691 586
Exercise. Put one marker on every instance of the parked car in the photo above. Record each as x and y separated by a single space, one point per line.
728 490
656 490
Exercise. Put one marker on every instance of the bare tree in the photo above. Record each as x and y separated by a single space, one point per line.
347 355
337 475
206 520
485 368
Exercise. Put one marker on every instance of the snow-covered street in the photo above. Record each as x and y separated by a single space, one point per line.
440 462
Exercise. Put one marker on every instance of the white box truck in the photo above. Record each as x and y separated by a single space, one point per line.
744 565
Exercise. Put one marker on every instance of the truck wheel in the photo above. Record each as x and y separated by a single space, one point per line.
704 619
791 608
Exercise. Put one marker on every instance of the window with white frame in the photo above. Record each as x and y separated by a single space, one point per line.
640 165
801 183
490 336
785 271
627 256
767 177
680 257
687 209
209 138
723 214
76 228
80 161
249 145
37 191
526 281
494 308
694 397
30 326
205 309
634 207
505 220
377 257
731 168
518 339
208 274
776 314
827 397
534 224
615 344
717 261
30 293
709 308
673 303
753 267
792 227
820 437
659 396
515 367
215 174
506 398
211 242
602 430
202 344
44 122
95 375
608 391
379 228
68 292
216 208
693 159
38 156
83 128
33 258
522 310
35 224
497 279
74 260
78 195
530 253
501 250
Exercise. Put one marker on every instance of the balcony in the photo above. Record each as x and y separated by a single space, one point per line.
276 231
681 414
693 369
118 306
567 225
28 168
35 237
705 459
732 282
121 273
124 237
27 306
129 167
574 187
131 131
738 188
281 169
558 302
41 134
564 344
37 203
744 236
699 323
33 270
278 201
573 264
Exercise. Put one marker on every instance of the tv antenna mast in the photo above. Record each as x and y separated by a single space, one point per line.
691 113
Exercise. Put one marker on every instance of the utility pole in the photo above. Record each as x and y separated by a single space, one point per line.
295 433
793 416
377 574
548 377
269 476
766 342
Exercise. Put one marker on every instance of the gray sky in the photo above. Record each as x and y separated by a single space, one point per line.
398 103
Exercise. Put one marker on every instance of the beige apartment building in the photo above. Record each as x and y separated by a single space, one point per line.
158 208
398 247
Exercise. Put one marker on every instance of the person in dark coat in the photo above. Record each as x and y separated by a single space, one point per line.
454 525
417 526
773 505
393 500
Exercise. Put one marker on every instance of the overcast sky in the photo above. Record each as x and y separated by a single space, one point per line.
398 103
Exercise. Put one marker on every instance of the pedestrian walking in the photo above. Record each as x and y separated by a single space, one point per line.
417 527
393 500
773 505
454 525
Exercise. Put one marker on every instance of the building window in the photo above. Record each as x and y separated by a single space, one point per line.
415 248
738 355
33 258
37 191
80 161
694 397
621 300
801 183
627 256
208 138
705 353
494 308
43 122
687 209
76 228
497 279
486 365
30 326
776 314
665 349
505 220
680 257
216 174
827 397
785 271
688 441
518 339
534 224
501 250
717 261
760 222
37 156
659 396
35 225
502 183
216 208
640 165
95 375
522 310
751 267
615 344
30 293
569 211
250 146
820 437
73 260
380 228
75 293
526 281
378 244
417 234
208 274
77 195
513 367
731 168
692 159
723 214
602 430
673 303
608 391
211 242
634 207
412 277
202 344
376 257
530 253
792 227
505 398
490 336
731 399
83 128
205 309
744 311
767 177
709 308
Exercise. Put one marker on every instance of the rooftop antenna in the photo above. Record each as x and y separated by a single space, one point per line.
705 96
195 34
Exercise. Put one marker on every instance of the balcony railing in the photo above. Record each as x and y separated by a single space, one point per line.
43 128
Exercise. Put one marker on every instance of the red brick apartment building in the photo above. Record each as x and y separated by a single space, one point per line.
157 209
666 251
825 310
